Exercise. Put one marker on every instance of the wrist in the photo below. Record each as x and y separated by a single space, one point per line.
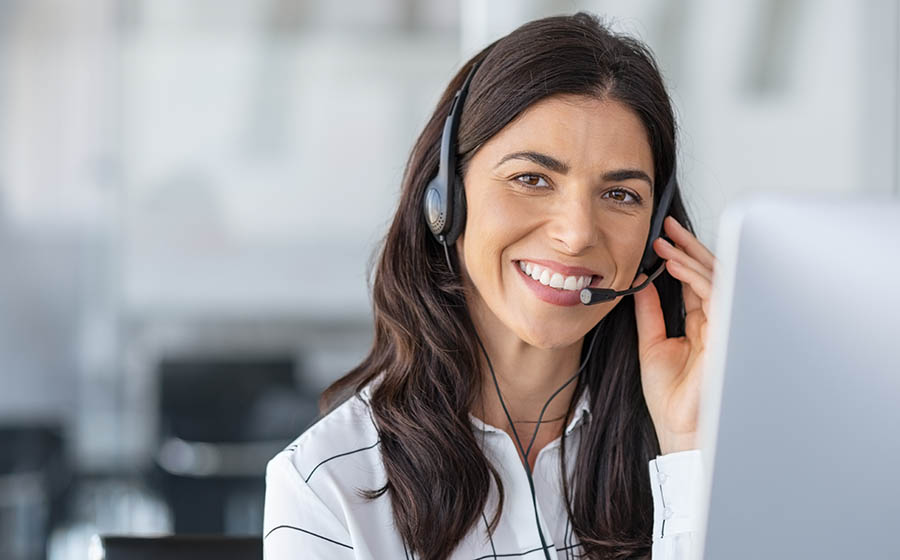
674 443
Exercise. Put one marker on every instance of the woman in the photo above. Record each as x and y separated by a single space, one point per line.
487 379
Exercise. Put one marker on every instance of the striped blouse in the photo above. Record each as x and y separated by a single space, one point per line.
313 509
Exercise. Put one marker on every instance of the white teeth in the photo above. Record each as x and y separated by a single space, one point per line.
557 280
554 279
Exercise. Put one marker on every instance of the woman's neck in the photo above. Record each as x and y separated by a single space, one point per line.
527 376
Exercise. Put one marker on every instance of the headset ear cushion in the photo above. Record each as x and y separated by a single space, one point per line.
458 222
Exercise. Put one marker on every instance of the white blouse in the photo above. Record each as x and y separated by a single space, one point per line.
313 508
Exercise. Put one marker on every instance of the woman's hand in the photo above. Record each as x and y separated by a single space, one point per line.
672 368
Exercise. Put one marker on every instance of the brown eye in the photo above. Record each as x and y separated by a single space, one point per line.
530 181
620 196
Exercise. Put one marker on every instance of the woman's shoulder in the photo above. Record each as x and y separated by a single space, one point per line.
312 486
342 445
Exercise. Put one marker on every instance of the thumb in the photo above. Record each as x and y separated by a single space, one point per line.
648 313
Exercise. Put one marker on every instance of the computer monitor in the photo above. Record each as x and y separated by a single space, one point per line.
800 419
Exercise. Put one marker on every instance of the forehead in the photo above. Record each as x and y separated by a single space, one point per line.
588 133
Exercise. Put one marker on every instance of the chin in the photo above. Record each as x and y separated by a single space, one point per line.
549 338
549 330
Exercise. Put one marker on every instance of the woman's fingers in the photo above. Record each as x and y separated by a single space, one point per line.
691 300
698 283
690 262
695 316
651 325
692 246
670 252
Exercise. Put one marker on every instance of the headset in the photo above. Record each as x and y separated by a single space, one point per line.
444 208
445 204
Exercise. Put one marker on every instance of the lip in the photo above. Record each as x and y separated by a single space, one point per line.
563 269
565 298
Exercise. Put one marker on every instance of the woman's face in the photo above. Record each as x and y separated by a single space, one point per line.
565 190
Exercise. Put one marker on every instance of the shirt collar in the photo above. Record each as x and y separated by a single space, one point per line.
582 410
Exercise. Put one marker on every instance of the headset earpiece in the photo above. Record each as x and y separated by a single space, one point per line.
436 207
444 203
650 259
458 215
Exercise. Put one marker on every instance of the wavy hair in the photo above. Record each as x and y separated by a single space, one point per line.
425 348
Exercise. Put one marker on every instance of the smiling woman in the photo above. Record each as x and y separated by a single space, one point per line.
565 134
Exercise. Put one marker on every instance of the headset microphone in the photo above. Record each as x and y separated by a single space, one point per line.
590 296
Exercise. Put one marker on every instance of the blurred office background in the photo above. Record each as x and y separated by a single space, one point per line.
190 192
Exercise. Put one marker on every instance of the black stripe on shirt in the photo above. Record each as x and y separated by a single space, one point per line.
569 547
308 533
490 536
339 455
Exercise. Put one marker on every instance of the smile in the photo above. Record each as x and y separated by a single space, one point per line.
548 277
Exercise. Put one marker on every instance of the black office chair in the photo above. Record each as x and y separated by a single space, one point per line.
201 547
221 419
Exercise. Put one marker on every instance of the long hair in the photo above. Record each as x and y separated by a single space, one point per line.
424 348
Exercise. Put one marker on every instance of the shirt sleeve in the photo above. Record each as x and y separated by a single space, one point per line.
675 481
296 521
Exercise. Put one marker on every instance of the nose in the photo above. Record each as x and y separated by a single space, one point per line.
574 228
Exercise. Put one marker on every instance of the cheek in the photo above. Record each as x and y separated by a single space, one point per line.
629 250
493 215
491 227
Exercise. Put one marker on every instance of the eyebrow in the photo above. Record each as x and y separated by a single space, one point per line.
557 166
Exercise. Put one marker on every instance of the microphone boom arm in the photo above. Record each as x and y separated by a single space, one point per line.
590 296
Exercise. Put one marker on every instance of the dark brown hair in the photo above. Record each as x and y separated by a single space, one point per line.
425 348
